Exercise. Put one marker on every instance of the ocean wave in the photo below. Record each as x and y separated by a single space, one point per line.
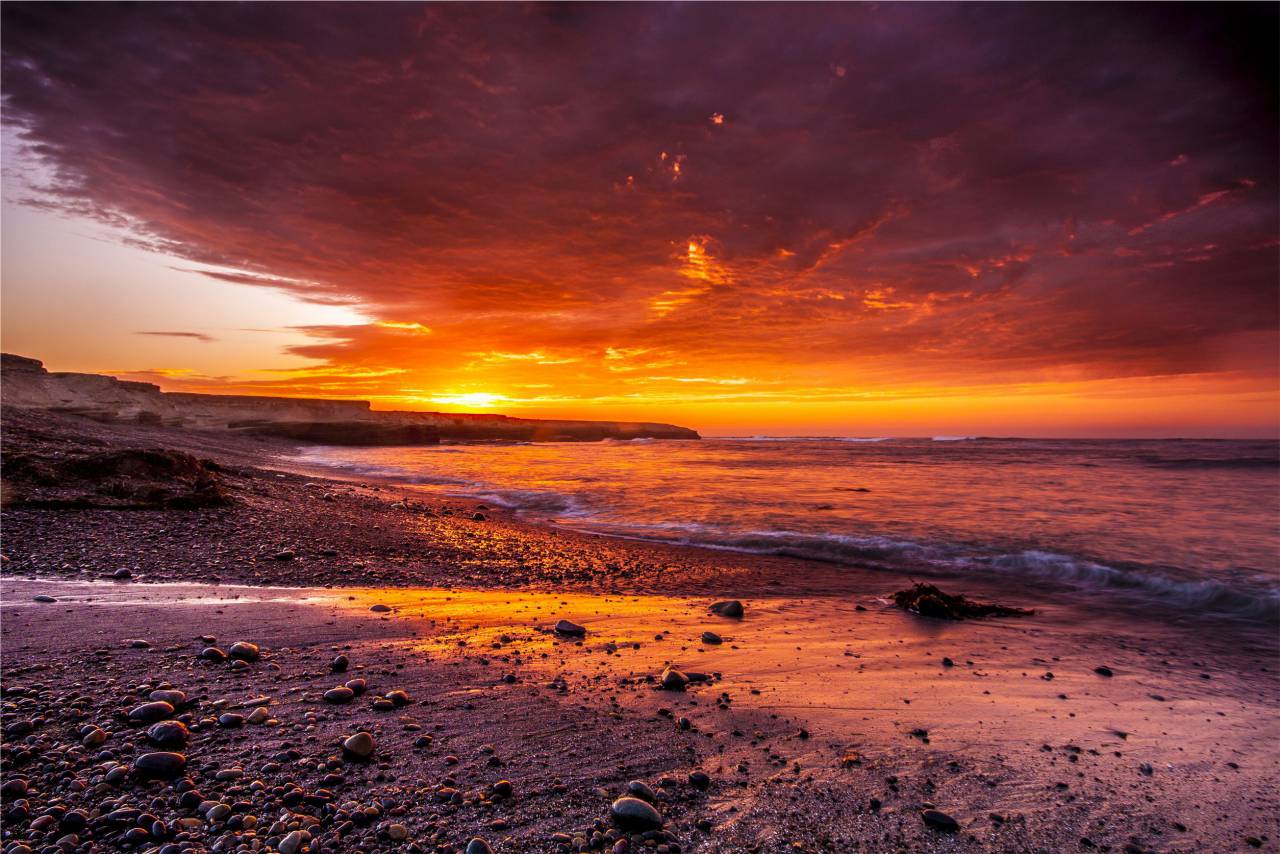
1205 594
1211 462
802 438
881 552
954 438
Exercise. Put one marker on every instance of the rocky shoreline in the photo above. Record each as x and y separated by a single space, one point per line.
316 665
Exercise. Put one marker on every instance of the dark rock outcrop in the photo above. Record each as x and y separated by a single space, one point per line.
127 479
928 601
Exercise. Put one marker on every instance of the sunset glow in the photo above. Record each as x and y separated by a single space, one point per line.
1063 222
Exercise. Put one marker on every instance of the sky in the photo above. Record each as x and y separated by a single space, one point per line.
827 219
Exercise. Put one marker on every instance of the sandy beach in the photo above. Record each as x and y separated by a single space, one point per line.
825 719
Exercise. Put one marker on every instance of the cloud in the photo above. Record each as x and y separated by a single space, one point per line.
195 336
819 195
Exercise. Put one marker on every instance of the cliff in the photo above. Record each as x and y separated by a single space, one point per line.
25 383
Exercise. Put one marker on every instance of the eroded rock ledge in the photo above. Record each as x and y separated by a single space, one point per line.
26 384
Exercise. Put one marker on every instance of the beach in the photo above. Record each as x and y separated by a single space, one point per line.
824 719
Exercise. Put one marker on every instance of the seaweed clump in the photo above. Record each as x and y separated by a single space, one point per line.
928 601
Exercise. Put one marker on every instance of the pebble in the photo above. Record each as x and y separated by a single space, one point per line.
244 651
940 821
699 780
1103 670
122 575
640 789
341 694
339 664
43 598
673 680
175 698
359 746
398 832
149 713
168 734
712 638
565 627
633 814
294 841
478 846
212 653
727 608
160 766
380 609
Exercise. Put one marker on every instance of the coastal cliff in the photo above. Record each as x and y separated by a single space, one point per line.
26 384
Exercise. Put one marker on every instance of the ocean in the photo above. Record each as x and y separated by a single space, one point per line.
1189 524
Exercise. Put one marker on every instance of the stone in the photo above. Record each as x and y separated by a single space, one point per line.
712 638
1103 670
359 746
122 575
478 846
149 713
244 651
159 766
673 680
43 598
640 789
341 694
398 832
727 608
170 735
173 697
940 821
294 841
699 780
339 664
634 815
212 653
565 627
380 609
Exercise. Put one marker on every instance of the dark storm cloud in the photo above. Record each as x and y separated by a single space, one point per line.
964 188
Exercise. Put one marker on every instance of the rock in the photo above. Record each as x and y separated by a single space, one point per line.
294 841
634 815
212 653
712 638
258 716
122 575
286 554
640 789
149 713
940 821
699 780
244 651
946 662
230 721
339 664
171 735
159 766
43 598
478 846
928 601
673 680
339 695
380 609
172 696
399 697
1103 670
359 746
727 608
565 627
398 832
503 788
357 685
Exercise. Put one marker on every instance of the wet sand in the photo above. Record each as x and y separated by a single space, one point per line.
831 721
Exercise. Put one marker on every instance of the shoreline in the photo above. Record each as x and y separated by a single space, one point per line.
830 721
